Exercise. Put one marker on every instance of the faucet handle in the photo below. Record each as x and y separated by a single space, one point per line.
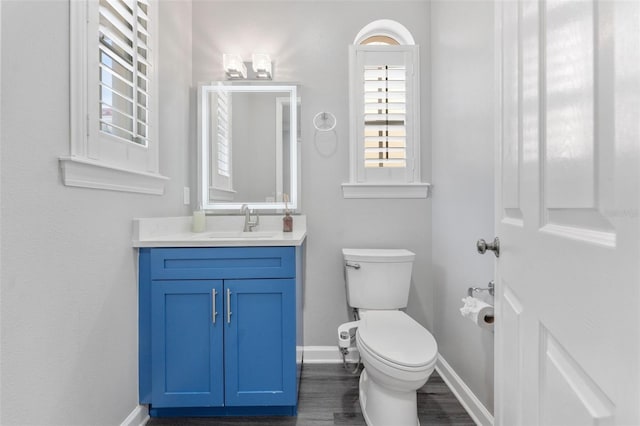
254 221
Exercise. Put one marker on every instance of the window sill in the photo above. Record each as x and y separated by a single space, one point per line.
382 190
221 194
86 173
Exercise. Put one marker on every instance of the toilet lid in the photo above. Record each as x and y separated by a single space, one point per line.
397 338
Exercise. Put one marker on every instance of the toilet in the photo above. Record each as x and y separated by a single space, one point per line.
398 354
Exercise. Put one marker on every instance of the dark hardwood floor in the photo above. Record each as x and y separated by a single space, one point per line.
329 396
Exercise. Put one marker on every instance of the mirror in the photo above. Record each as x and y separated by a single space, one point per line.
247 150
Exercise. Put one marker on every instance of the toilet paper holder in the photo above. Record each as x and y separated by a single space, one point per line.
490 288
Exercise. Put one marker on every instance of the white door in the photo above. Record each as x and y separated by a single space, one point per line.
568 184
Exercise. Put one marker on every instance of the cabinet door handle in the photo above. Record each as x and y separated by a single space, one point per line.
213 309
228 306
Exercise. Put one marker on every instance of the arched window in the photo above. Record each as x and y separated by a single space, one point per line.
394 33
385 105
380 40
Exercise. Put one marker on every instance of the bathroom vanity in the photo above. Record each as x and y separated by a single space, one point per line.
220 317
220 311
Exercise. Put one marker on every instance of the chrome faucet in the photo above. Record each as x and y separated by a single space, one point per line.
248 223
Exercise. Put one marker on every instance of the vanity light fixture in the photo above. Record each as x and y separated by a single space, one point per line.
234 67
261 64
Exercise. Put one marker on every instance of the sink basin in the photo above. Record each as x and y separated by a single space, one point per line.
238 235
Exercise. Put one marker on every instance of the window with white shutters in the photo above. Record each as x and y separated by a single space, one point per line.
384 123
124 69
223 134
385 109
114 133
386 101
220 179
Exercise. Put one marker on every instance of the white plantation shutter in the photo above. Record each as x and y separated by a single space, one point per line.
223 134
124 69
386 128
385 109
220 149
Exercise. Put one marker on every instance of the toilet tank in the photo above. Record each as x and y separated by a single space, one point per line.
377 278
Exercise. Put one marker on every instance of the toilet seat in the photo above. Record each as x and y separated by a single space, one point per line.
397 340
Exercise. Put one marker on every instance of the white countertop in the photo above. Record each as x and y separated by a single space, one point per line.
221 231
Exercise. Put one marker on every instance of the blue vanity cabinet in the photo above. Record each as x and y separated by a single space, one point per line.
259 343
218 330
187 344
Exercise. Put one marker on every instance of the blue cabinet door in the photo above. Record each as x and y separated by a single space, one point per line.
187 353
260 342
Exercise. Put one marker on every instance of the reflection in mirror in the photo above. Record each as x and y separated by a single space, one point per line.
248 137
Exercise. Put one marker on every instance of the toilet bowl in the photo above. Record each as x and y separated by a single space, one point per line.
399 355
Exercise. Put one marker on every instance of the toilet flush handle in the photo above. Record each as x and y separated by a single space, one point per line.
352 265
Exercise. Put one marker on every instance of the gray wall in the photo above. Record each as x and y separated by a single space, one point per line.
463 155
308 43
69 292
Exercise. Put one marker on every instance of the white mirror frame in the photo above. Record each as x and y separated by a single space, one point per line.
204 165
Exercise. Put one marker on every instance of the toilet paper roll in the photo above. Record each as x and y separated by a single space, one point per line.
479 312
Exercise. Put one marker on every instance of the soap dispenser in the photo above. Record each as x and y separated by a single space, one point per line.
287 220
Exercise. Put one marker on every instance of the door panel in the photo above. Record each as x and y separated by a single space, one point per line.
260 343
568 394
577 120
512 127
186 364
568 329
510 358
568 96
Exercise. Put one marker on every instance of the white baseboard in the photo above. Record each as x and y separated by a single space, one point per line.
469 401
327 355
138 417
